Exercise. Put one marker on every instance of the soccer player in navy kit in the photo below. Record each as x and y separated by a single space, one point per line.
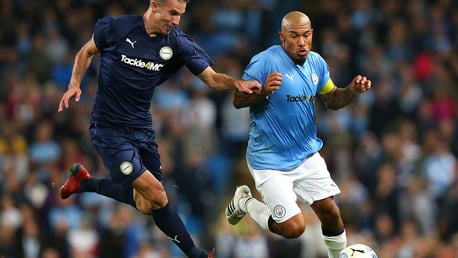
282 152
138 53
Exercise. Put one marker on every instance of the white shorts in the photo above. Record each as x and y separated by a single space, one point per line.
280 190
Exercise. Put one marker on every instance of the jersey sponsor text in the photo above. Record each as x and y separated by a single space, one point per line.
141 64
300 98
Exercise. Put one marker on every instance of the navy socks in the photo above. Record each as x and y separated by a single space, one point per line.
168 221
106 187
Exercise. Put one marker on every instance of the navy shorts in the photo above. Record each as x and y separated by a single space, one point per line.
127 152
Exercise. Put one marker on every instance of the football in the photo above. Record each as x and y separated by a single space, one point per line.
357 251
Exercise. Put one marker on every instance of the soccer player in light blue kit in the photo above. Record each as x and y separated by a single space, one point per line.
138 53
283 148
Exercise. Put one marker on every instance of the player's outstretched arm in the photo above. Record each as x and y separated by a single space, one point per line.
82 61
340 97
271 85
221 81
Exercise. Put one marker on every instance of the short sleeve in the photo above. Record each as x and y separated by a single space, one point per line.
102 32
322 67
194 56
257 69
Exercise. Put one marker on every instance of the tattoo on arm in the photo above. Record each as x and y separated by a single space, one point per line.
338 98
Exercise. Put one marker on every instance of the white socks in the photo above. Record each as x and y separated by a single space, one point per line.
260 213
257 210
335 244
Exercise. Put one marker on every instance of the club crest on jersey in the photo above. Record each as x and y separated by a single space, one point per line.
315 78
126 168
166 53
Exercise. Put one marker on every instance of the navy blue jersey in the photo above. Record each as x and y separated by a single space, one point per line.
133 64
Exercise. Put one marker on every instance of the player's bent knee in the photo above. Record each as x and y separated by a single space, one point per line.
141 204
294 233
150 192
159 197
293 228
145 210
144 203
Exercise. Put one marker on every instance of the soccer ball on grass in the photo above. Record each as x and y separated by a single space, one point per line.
358 251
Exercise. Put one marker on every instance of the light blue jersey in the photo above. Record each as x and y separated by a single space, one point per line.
283 131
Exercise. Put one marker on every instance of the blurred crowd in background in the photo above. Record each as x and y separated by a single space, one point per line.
393 151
